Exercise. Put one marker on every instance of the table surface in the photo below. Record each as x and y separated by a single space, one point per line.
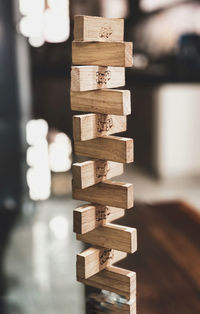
38 259
168 258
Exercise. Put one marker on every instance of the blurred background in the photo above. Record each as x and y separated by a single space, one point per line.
37 246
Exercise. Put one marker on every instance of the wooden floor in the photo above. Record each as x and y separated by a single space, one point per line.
168 258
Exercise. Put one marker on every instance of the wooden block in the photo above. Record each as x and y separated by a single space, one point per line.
90 172
114 279
118 54
93 28
93 260
109 193
107 101
85 78
89 217
123 307
112 148
112 236
89 126
128 307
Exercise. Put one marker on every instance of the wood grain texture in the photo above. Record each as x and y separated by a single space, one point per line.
107 101
93 28
100 56
90 126
118 54
168 238
94 259
88 217
112 148
85 78
109 193
112 236
91 172
114 279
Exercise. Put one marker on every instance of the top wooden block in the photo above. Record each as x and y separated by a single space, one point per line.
92 28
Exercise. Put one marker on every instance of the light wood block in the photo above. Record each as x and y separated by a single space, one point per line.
112 148
109 193
117 308
90 126
93 28
112 236
118 54
107 101
93 260
91 172
85 78
114 279
99 58
89 217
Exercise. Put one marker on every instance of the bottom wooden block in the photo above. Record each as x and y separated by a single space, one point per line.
93 260
128 307
114 279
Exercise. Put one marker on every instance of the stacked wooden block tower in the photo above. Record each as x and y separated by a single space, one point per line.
99 56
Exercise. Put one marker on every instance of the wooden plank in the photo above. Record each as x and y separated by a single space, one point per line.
91 172
107 101
119 54
94 259
112 148
114 279
90 126
85 78
109 193
128 307
89 217
112 236
93 28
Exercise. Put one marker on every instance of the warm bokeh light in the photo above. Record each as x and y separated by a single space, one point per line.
38 175
42 158
59 226
37 155
60 153
140 61
44 21
31 26
36 41
56 26
31 7
36 130
39 183
114 8
151 5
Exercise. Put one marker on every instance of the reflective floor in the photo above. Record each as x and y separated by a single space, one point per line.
40 261
40 252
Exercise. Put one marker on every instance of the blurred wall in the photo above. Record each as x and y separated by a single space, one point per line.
10 143
177 130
